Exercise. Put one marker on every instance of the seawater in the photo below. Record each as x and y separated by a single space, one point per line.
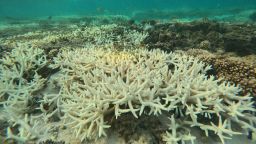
39 8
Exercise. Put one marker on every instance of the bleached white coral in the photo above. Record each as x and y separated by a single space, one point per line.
21 84
29 129
175 135
109 36
19 80
97 83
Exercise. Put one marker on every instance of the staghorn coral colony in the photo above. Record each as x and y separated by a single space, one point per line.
83 94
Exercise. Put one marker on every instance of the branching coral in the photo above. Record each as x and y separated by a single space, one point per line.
111 35
23 83
96 84
19 81
100 82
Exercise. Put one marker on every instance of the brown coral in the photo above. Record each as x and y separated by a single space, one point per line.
236 70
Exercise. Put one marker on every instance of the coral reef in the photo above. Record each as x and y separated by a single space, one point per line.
113 35
222 37
22 111
89 84
123 83
19 88
98 85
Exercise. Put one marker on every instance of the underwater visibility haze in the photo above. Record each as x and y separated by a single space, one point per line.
127 71
36 8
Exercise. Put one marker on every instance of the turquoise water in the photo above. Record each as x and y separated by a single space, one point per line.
38 8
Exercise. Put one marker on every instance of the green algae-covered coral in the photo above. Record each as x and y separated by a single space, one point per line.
94 86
